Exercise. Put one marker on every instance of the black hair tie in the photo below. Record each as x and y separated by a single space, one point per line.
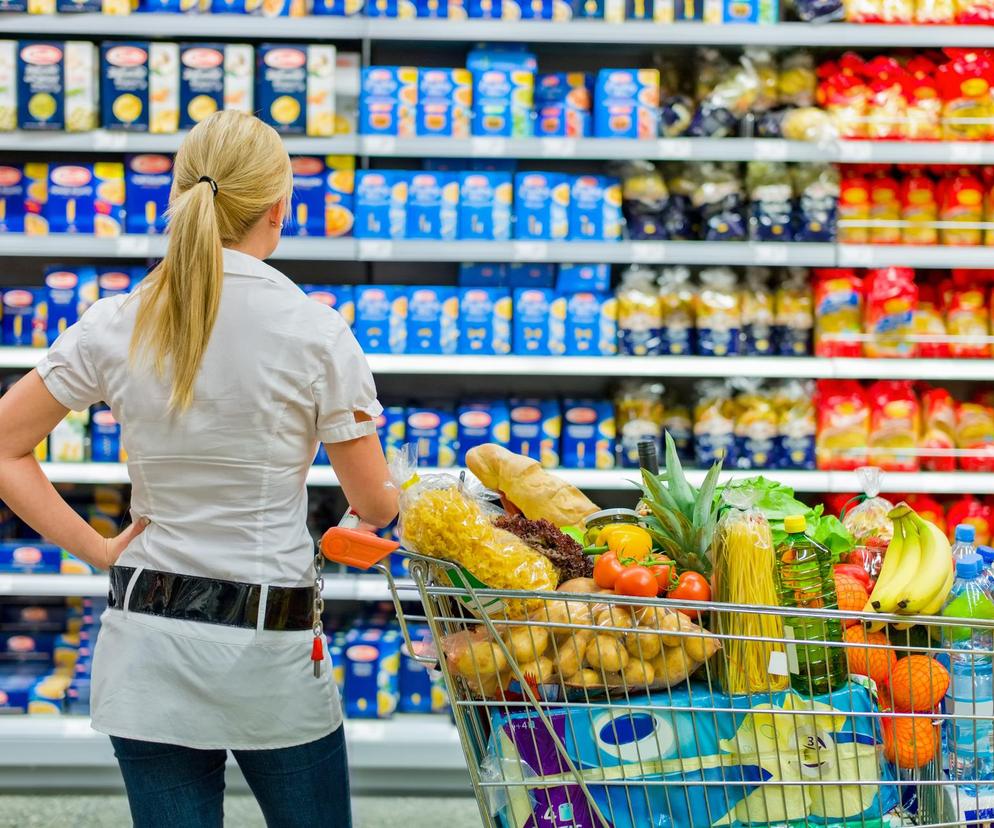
210 181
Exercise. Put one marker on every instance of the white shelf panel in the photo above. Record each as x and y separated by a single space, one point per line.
337 587
20 357
938 256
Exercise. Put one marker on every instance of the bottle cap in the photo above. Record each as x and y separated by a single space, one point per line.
965 533
987 553
968 566
793 524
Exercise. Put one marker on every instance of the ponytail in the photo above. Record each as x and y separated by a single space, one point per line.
230 170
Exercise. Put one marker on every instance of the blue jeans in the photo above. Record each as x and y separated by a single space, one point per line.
168 786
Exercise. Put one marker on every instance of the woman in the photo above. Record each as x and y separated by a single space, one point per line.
224 376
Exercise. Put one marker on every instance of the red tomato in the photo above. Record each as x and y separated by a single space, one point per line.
637 581
607 569
691 586
663 573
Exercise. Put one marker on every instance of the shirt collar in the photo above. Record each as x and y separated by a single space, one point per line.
242 264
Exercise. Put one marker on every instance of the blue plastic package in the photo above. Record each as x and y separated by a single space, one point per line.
432 320
541 205
588 440
536 429
539 322
572 278
485 321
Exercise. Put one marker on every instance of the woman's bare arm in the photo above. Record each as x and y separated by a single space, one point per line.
28 412
362 472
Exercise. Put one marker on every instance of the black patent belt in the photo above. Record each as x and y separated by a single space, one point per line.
210 600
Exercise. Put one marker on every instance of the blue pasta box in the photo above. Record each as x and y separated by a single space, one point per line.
482 421
595 209
86 198
435 435
645 10
337 8
35 198
626 103
432 320
310 197
439 9
485 205
339 297
13 197
69 291
372 666
531 274
388 101
16 685
485 274
403 9
563 105
484 321
16 644
381 318
540 9
535 429
541 205
742 11
295 88
432 206
147 180
58 85
415 685
117 281
214 76
174 6
105 436
261 8
29 558
339 210
591 324
445 101
381 204
391 428
574 278
140 86
588 434
491 9
539 322
502 102
17 321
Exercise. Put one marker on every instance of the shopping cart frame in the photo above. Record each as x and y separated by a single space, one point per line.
449 610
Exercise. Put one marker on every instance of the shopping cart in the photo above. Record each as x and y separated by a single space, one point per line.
620 748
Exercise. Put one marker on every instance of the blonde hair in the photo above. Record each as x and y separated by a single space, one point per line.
179 302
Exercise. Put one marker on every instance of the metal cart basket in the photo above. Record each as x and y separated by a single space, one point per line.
630 741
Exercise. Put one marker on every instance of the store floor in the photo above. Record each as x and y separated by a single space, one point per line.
241 811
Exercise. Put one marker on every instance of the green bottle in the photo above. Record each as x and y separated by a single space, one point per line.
805 580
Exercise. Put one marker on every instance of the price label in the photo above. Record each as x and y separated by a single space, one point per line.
488 147
648 252
771 254
558 147
964 152
770 149
375 249
379 145
6 584
778 664
854 151
674 149
108 140
531 251
133 246
856 256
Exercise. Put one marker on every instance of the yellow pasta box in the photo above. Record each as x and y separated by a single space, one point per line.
57 85
109 7
8 85
214 76
35 198
296 88
86 198
140 86
339 199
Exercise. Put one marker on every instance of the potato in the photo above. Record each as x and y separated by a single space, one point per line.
584 678
677 622
638 674
702 646
643 645
564 612
541 669
571 652
527 643
580 586
492 687
607 653
614 617
652 617
480 660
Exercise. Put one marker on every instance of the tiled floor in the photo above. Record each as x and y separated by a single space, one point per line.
241 811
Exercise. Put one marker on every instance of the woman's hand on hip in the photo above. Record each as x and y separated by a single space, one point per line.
113 548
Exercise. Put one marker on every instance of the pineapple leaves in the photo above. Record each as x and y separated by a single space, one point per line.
705 512
658 493
680 490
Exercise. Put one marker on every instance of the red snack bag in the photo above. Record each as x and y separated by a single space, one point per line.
935 11
964 86
924 107
970 510
962 202
843 425
938 430
885 206
838 307
930 321
846 98
975 434
895 425
928 508
854 206
967 316
886 106
920 207
890 302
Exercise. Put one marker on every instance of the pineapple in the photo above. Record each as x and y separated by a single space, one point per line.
682 518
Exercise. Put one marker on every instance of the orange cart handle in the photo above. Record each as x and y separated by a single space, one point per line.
354 548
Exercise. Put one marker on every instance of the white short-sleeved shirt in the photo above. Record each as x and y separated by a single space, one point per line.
224 487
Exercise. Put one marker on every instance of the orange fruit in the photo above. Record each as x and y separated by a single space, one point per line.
918 684
852 595
871 661
910 742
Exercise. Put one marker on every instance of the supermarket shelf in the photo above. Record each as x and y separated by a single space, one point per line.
337 587
630 33
938 256
690 366
623 479
405 754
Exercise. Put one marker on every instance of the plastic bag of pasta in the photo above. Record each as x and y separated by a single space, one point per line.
442 516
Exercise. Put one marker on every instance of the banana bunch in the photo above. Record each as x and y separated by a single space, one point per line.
917 572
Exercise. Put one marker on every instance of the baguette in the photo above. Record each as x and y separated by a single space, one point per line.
537 493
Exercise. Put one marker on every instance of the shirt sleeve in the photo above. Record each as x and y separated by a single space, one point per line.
68 370
344 386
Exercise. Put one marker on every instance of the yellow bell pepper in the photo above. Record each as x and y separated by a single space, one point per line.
626 540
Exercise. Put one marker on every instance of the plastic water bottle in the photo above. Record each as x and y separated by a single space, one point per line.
987 576
969 742
963 541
